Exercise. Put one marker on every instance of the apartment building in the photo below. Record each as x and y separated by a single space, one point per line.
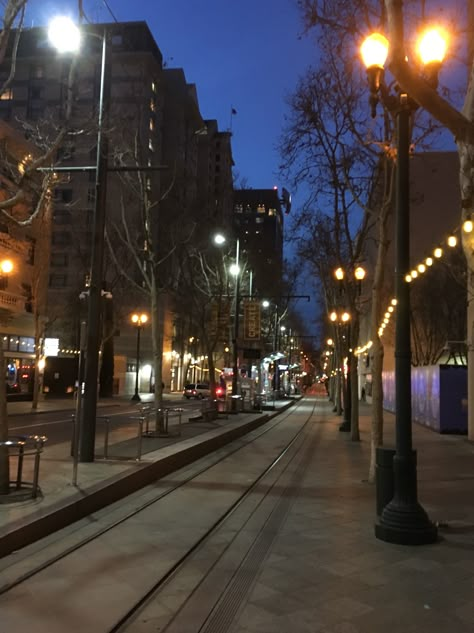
24 253
258 221
154 124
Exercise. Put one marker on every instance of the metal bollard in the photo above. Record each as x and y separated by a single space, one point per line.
139 439
38 447
73 420
19 471
106 439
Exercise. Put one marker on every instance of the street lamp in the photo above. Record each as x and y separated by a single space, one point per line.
341 319
403 519
66 37
234 270
351 281
6 267
138 320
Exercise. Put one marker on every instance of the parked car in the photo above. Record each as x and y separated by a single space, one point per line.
197 390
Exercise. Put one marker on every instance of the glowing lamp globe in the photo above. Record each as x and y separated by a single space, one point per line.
432 47
64 35
374 50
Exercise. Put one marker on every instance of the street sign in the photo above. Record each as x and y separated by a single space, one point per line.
251 320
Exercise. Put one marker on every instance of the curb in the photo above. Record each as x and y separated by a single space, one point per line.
82 504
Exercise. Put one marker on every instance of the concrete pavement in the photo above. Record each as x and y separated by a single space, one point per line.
325 570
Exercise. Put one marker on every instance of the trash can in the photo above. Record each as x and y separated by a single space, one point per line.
384 478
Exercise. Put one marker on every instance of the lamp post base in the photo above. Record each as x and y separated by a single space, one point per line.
135 398
405 525
404 521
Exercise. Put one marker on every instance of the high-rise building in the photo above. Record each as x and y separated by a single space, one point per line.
258 224
154 123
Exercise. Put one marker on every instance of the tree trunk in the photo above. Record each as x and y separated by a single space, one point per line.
38 376
354 378
106 376
376 438
158 306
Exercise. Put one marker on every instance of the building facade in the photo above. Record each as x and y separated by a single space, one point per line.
180 165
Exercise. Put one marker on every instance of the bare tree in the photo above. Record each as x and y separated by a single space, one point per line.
144 242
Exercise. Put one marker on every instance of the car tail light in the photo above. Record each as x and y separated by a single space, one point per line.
219 391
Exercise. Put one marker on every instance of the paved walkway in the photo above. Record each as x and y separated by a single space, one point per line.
326 571
69 493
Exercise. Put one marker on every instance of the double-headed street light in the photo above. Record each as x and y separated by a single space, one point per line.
66 38
350 280
403 519
138 321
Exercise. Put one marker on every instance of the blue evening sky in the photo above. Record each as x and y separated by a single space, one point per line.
245 55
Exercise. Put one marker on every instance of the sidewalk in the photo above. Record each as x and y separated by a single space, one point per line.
107 480
327 572
324 571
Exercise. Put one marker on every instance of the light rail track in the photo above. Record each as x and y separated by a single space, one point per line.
212 461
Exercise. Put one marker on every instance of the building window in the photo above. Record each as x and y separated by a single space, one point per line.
261 208
31 251
35 92
63 195
66 152
27 344
37 72
59 260
57 280
35 111
62 216
7 94
62 238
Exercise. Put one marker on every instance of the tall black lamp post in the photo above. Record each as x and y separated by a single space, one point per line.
138 320
341 320
66 37
235 271
403 520
349 282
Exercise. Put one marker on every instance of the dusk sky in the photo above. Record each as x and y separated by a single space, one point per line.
245 55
